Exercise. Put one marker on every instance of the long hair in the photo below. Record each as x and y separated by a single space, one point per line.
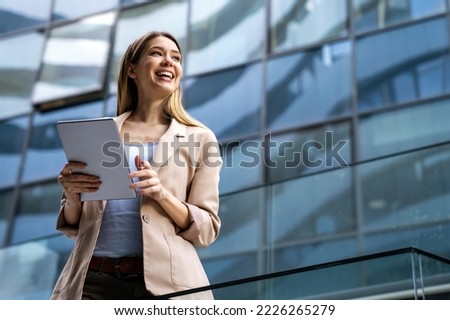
127 95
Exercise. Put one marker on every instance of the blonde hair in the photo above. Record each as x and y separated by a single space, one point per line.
127 95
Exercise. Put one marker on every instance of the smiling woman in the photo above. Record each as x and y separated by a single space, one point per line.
144 247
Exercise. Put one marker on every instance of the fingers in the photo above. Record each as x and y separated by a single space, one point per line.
71 165
76 183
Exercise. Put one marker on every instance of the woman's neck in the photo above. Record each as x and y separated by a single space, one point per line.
150 114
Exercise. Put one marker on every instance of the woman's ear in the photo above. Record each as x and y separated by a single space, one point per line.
130 71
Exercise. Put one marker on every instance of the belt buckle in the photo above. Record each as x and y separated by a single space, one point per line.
118 273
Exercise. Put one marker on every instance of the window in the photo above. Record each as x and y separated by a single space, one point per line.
399 130
403 65
224 33
228 102
12 137
298 23
17 15
371 14
74 60
37 211
18 71
309 86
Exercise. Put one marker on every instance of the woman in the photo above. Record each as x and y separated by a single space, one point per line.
144 247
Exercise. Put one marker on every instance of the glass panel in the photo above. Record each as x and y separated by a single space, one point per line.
241 215
16 15
300 153
383 276
75 59
45 156
11 149
407 190
308 254
72 9
430 237
224 33
371 14
435 273
402 65
242 166
18 71
296 23
228 102
404 129
231 268
6 207
137 21
313 206
296 86
36 213
29 271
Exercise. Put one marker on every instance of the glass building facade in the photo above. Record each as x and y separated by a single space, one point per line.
333 118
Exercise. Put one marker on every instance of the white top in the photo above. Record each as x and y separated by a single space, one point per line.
121 231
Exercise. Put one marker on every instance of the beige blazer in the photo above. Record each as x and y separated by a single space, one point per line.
188 163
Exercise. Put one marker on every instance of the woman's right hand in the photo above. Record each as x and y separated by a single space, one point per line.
74 184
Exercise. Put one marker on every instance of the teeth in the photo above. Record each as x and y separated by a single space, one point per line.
165 73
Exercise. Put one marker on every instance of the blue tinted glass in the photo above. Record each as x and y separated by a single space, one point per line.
310 86
11 149
241 224
75 59
242 166
231 268
63 9
36 213
304 152
29 271
308 254
6 207
404 129
170 16
18 71
45 156
402 65
228 102
16 15
224 33
371 14
406 190
296 23
312 206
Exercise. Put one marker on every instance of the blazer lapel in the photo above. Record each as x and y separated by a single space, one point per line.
169 143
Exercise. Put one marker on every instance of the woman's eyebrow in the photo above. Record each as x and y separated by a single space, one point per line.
161 48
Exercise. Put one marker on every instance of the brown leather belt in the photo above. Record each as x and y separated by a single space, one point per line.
125 265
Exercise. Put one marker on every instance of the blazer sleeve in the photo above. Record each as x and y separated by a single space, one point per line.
203 198
68 230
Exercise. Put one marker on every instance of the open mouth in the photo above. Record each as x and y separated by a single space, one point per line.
165 74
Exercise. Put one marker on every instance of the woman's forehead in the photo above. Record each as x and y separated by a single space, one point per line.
162 42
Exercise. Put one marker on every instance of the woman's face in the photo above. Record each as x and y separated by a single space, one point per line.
158 70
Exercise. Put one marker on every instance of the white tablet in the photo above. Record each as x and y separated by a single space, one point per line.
97 143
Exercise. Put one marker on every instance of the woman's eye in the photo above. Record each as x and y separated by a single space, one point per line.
156 53
176 58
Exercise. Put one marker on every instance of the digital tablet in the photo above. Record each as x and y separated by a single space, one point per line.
97 143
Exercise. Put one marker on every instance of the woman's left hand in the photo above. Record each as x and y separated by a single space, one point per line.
149 183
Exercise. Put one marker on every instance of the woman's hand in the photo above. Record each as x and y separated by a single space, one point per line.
74 184
149 183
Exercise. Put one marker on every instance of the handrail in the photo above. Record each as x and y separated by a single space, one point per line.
324 265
